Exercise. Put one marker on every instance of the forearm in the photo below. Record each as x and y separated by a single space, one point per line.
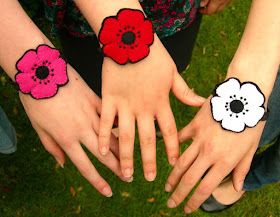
258 56
96 10
18 34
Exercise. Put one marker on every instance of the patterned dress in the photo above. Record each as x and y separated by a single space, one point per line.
168 16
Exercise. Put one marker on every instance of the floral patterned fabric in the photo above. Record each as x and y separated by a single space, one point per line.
167 16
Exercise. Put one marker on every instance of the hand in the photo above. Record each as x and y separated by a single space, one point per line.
215 149
69 119
140 92
213 6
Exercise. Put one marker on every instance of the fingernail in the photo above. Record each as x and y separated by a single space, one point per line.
240 186
168 187
171 203
173 161
127 172
151 176
59 162
103 150
107 192
187 210
130 179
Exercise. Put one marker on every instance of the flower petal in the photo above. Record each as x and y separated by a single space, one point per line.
44 90
146 32
218 108
118 54
228 88
233 124
128 17
45 52
27 61
253 116
59 72
25 82
253 96
138 53
110 29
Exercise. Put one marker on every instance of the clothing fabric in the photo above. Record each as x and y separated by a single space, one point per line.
83 53
265 167
8 138
167 16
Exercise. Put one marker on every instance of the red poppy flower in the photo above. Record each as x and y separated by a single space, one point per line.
127 36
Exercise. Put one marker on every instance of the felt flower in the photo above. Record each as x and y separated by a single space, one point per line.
237 105
127 36
41 72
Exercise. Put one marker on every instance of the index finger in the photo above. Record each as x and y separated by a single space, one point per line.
208 184
86 168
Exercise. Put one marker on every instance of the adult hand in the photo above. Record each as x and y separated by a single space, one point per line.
140 92
213 149
69 119
213 6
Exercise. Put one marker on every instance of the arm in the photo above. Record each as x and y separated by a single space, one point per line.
137 92
53 118
257 59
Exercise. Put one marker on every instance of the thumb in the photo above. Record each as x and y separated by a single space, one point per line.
181 90
203 3
241 170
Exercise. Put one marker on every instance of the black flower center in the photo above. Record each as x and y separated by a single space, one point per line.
128 38
42 72
236 106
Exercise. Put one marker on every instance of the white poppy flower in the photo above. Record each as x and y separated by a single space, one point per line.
237 105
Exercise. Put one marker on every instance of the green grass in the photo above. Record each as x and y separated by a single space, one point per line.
36 187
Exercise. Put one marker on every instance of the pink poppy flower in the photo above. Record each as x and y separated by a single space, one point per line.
41 72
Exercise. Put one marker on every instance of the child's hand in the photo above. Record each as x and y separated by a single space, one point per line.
215 149
140 92
69 119
213 6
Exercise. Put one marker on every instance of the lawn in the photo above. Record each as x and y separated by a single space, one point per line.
32 184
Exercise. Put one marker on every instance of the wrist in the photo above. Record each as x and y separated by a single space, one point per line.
263 73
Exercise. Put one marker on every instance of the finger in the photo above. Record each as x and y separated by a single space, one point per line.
84 165
203 3
147 136
114 143
186 133
126 141
188 181
182 165
241 170
211 8
52 147
108 113
168 129
209 183
90 140
181 90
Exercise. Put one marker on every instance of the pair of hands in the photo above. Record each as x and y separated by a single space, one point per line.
71 118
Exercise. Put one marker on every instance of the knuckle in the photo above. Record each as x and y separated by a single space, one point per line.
193 203
170 132
209 148
125 139
243 171
85 172
148 141
203 190
188 180
181 163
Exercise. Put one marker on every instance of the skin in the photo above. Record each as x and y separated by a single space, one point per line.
213 6
138 93
257 59
68 119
